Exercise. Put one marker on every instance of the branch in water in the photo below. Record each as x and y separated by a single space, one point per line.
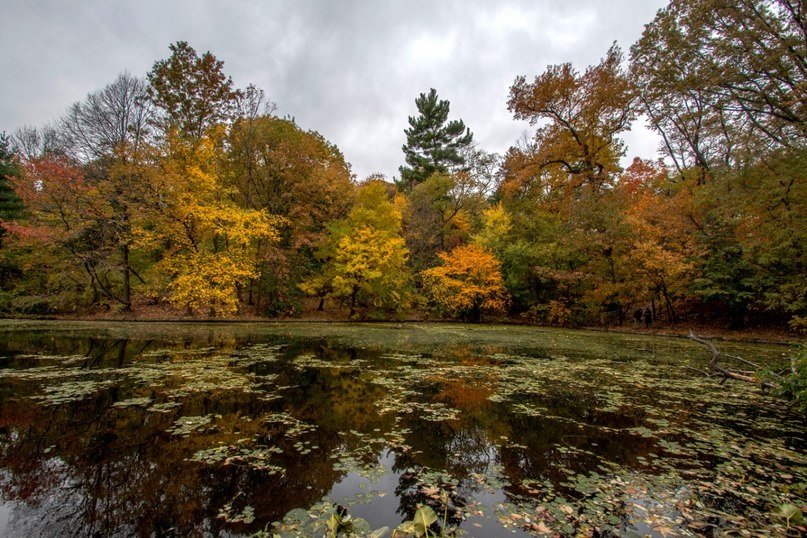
714 366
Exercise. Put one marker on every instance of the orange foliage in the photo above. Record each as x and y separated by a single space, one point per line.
468 282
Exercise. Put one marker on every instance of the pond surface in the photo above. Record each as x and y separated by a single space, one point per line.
224 429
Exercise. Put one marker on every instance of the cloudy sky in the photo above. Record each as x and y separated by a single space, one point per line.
348 69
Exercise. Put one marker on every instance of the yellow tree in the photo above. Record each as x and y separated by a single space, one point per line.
207 245
365 255
468 283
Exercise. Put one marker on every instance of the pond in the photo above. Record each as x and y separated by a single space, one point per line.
245 428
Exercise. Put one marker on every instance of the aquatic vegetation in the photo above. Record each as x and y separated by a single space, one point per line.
242 453
794 385
310 360
324 519
494 430
187 425
294 427
73 391
247 515
134 402
164 407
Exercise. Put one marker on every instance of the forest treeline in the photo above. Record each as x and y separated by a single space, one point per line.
179 190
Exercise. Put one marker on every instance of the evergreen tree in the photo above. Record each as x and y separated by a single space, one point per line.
433 144
10 204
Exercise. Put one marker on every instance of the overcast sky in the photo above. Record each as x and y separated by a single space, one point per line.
348 69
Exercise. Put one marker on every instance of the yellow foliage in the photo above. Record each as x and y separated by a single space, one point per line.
372 261
496 227
208 244
366 255
206 282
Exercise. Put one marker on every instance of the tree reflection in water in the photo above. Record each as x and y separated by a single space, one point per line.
91 441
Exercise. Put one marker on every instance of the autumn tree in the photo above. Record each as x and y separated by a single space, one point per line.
62 237
468 282
584 113
207 247
11 207
433 144
528 244
87 162
659 246
191 91
722 81
439 215
750 229
365 255
558 184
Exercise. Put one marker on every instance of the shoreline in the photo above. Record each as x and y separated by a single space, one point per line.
753 335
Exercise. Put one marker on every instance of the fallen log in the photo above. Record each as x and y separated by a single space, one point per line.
716 369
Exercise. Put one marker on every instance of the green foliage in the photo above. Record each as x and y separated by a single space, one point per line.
433 144
340 523
792 514
422 523
751 226
794 386
323 519
438 216
419 526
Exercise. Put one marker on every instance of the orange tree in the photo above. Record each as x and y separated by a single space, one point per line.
468 282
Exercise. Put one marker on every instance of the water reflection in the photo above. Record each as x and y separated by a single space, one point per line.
151 436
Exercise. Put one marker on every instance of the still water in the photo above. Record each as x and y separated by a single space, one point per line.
237 429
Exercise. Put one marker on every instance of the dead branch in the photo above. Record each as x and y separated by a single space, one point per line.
756 366
704 372
715 367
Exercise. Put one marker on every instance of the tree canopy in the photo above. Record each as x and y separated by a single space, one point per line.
180 191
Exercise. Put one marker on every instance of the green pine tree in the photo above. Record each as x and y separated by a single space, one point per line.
433 144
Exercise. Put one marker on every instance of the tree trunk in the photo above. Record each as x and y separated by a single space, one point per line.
122 352
670 309
353 300
127 280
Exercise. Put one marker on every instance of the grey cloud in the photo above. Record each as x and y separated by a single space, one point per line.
348 69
